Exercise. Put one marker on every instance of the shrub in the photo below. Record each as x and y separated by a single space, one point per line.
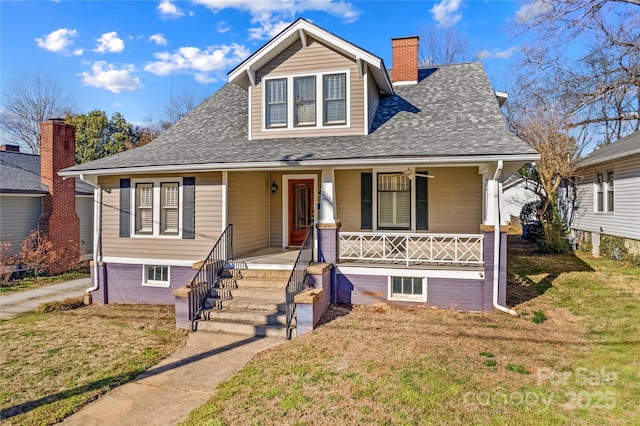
37 253
8 260
65 305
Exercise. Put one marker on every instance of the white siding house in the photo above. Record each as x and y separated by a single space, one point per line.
607 195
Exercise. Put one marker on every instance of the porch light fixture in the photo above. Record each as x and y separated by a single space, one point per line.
274 188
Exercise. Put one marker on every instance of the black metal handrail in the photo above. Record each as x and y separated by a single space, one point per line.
208 274
298 276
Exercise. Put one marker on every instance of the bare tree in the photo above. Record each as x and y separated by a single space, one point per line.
442 46
29 100
548 134
181 105
599 87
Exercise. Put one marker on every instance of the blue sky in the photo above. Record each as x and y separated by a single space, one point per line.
129 56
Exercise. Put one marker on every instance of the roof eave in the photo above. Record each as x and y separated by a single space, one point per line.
336 163
589 162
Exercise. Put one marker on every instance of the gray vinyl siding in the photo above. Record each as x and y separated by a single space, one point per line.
316 57
84 210
18 216
624 221
373 97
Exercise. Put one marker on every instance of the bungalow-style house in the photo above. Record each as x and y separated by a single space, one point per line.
606 198
395 177
34 197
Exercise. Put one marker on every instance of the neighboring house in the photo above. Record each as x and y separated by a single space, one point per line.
401 176
517 192
33 196
606 198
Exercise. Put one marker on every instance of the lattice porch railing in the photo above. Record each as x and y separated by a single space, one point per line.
412 248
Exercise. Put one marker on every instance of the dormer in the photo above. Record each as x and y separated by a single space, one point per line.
309 82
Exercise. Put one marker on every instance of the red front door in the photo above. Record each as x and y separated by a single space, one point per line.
300 210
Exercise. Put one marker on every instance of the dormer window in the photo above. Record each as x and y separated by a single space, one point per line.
315 100
305 101
276 104
335 99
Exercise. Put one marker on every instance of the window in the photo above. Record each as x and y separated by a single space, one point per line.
158 207
277 103
305 101
600 193
335 99
610 191
407 288
169 203
156 276
394 201
604 192
317 100
144 208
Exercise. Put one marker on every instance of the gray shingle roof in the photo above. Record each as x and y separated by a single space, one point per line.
623 147
20 173
452 111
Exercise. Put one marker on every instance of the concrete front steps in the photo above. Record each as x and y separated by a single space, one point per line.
247 301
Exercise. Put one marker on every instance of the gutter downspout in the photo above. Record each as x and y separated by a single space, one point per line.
97 194
496 243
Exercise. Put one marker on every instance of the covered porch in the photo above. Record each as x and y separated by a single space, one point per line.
408 216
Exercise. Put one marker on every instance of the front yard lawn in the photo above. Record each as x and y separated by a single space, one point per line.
571 357
53 364
29 283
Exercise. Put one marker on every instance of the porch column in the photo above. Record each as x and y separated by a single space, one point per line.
327 198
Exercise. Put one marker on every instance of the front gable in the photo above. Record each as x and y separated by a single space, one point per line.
313 65
307 82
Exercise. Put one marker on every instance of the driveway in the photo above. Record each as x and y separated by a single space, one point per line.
28 300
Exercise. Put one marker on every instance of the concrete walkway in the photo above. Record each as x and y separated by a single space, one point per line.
168 392
28 300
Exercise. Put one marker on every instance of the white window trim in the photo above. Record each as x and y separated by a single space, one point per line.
374 177
605 192
406 298
152 283
319 101
157 207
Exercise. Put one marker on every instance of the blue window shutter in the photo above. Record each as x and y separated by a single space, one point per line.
422 203
125 208
188 208
366 201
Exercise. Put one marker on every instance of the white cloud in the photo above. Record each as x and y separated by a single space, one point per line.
223 27
78 52
273 15
109 42
107 76
497 54
446 12
533 10
117 104
58 40
169 10
266 29
158 39
203 64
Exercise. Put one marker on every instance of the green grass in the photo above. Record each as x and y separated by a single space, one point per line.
51 364
376 365
30 283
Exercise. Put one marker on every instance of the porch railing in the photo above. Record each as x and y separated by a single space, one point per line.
412 248
208 274
298 276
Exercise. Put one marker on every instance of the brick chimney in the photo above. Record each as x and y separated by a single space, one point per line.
58 219
10 148
405 59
